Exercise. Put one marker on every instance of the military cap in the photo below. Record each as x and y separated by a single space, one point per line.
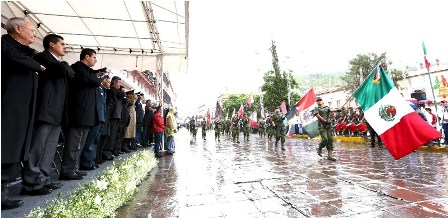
138 93
318 99
130 92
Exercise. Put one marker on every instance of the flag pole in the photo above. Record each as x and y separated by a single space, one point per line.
430 81
351 96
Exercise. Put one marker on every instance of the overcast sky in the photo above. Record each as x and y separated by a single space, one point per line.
229 41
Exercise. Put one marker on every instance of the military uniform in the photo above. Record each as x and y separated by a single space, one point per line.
218 126
326 131
246 127
203 128
269 128
261 128
279 129
193 129
235 129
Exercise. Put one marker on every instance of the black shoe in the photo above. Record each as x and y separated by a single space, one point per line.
81 173
108 157
372 146
72 177
54 185
87 168
158 155
97 166
125 150
11 204
42 191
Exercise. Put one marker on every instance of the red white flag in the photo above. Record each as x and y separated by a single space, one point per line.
283 107
241 111
250 101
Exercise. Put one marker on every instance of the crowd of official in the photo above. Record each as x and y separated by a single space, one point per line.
44 100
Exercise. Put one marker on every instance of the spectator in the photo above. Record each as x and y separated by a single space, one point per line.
51 105
171 129
19 86
130 130
139 113
148 135
158 128
82 113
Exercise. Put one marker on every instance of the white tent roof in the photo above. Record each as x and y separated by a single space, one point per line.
126 34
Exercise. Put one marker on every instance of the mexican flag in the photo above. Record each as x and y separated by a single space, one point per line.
305 109
390 115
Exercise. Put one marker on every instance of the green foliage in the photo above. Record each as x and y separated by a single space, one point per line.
363 65
234 102
114 187
329 80
275 86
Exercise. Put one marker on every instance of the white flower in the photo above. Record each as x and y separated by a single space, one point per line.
97 200
101 185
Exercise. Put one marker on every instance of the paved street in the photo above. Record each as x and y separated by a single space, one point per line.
255 179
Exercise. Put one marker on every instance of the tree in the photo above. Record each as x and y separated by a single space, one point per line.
275 86
363 65
234 102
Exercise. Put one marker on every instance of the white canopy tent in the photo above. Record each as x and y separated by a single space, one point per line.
127 35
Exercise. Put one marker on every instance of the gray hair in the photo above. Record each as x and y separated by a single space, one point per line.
11 23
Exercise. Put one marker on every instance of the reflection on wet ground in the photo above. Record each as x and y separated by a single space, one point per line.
256 179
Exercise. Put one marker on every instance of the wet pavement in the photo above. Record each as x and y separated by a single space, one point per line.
256 179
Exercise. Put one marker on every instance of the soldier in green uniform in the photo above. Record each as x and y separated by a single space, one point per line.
269 127
218 127
193 129
261 127
203 128
279 128
235 128
246 127
326 130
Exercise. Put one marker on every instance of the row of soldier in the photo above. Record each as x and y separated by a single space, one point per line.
273 125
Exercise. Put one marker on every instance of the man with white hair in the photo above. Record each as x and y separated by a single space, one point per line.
19 87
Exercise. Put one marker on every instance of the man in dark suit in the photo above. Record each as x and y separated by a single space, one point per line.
148 135
82 113
139 112
19 86
51 105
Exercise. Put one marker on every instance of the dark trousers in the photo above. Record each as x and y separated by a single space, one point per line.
120 136
10 171
37 170
76 139
148 135
445 132
89 152
138 133
111 139
374 135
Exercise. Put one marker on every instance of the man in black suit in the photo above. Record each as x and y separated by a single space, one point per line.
51 105
19 87
82 113
148 135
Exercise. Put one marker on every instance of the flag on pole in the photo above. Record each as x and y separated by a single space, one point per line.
241 111
218 110
209 119
253 120
231 115
398 125
250 101
427 64
305 109
283 107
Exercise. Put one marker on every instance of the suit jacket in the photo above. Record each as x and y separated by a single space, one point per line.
83 96
139 110
52 90
148 117
19 88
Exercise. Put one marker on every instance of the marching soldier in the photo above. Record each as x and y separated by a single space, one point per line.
246 127
218 126
235 128
193 129
261 127
269 127
279 128
326 131
203 128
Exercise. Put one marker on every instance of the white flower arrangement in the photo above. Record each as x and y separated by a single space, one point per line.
114 187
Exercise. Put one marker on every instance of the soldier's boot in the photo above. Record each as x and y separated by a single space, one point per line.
330 155
319 151
283 146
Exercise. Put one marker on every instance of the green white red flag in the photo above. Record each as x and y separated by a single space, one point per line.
305 109
390 115
427 64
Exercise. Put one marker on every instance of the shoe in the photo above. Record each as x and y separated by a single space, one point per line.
372 146
42 191
92 167
169 152
11 204
54 185
82 173
125 150
108 157
72 177
158 155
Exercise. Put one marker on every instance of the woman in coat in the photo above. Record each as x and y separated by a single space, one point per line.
158 128
171 129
